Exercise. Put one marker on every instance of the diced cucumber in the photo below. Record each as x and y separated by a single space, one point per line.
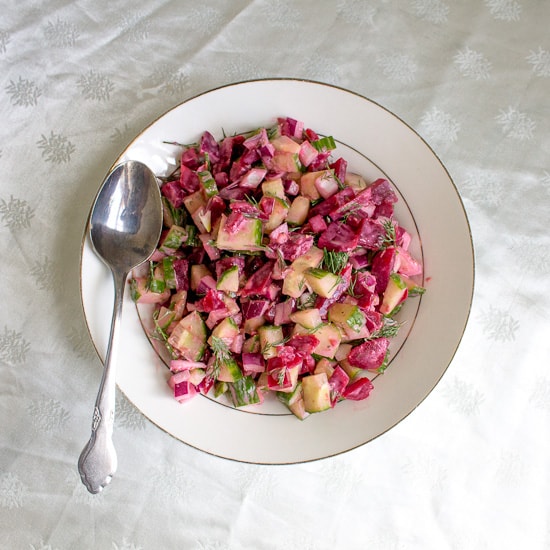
270 337
294 283
141 292
324 365
189 337
341 356
285 144
195 204
250 326
228 281
198 272
308 318
205 217
208 183
243 392
169 273
274 188
195 325
323 283
316 393
156 280
227 330
252 344
294 401
307 183
298 211
194 201
288 398
247 238
342 352
173 239
229 371
396 291
277 216
220 388
286 161
288 381
312 258
355 181
298 409
329 337
164 317
347 315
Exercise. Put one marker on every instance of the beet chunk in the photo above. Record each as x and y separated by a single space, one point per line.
338 237
369 355
382 266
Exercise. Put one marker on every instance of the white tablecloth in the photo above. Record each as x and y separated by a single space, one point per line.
470 468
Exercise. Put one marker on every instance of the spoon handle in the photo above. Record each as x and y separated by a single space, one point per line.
98 461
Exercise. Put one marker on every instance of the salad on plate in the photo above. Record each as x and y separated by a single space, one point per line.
279 272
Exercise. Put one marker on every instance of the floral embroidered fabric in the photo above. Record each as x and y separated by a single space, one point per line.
469 468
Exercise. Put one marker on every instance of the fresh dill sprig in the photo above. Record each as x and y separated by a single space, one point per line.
308 303
222 354
252 200
389 329
334 261
351 287
161 335
389 238
269 345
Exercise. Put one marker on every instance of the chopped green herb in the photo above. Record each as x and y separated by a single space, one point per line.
385 363
326 143
222 354
416 291
389 238
389 329
334 261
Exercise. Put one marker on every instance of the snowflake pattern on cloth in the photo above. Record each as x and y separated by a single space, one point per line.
23 92
16 213
135 27
463 397
473 64
440 126
170 80
498 324
504 10
516 124
61 33
95 86
4 40
56 148
398 66
47 415
13 347
540 62
13 492
434 11
484 187
43 272
357 12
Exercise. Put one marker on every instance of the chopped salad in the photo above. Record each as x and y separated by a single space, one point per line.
278 271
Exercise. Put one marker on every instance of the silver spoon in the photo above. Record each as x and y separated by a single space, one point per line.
125 226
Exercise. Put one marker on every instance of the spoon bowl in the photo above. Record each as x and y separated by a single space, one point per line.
125 226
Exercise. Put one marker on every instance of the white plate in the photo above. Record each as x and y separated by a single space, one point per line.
375 142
